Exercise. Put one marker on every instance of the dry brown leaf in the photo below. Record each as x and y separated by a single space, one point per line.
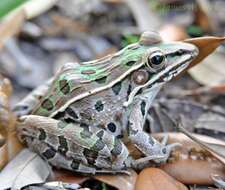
68 176
186 142
214 148
3 156
5 115
190 163
156 179
7 124
194 171
10 25
206 46
120 181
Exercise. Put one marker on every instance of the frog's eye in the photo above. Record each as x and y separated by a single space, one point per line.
156 61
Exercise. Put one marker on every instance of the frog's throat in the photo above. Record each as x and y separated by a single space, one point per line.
162 77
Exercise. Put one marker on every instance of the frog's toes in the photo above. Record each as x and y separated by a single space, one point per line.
165 139
166 150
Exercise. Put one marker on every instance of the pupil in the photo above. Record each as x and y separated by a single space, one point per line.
157 59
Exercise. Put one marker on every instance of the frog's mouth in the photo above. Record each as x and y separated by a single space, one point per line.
165 75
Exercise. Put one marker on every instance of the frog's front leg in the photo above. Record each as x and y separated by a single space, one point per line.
74 146
142 140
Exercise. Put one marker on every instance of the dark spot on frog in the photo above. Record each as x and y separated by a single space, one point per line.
116 88
164 150
64 86
75 165
117 149
100 133
63 146
49 153
143 105
85 126
130 63
101 80
91 156
99 106
118 116
71 113
129 89
47 104
140 91
85 134
112 127
59 115
99 145
88 72
42 136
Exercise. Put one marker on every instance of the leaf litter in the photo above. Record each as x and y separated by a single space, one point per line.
201 112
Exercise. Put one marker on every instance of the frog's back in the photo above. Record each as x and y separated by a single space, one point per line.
79 81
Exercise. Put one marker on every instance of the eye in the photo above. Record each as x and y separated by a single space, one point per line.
156 61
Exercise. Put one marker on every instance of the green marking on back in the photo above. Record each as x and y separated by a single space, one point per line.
131 53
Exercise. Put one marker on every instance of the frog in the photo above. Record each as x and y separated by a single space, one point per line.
83 118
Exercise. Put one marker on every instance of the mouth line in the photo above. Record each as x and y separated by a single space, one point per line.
175 70
172 71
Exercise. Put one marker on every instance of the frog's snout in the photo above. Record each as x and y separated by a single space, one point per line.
191 49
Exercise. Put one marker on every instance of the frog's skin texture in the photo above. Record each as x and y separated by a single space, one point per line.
82 119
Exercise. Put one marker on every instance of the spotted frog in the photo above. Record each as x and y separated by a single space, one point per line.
84 117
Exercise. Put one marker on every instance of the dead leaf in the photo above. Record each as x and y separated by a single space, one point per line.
156 179
191 164
166 112
120 181
10 25
206 46
3 156
68 176
191 171
25 169
5 115
216 149
211 72
7 124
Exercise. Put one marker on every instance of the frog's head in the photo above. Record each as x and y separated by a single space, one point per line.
161 62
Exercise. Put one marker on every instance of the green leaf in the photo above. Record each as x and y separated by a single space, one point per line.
129 39
8 5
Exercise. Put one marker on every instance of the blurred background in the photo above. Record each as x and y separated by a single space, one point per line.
37 37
